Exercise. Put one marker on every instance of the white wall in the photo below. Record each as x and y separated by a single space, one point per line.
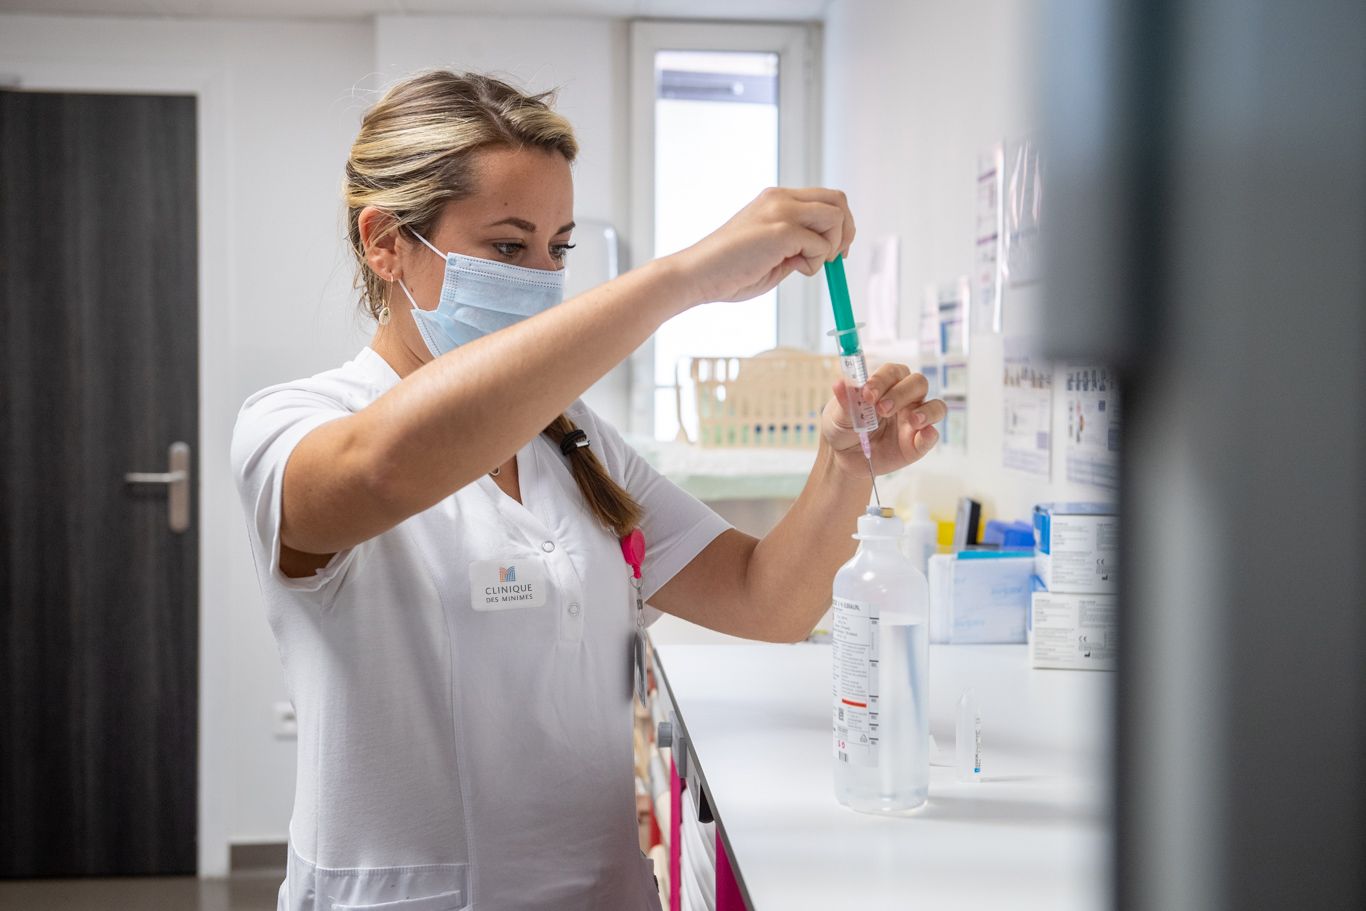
913 93
584 58
276 116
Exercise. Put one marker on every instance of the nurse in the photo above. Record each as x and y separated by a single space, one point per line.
436 523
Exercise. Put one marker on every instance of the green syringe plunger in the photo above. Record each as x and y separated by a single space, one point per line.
844 311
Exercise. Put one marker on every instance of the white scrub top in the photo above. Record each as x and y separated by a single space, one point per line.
462 682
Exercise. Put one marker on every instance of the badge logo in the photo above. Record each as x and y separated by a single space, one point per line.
499 585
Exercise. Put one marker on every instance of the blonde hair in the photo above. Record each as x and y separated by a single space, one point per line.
414 154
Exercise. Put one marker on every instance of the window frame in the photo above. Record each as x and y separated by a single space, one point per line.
797 45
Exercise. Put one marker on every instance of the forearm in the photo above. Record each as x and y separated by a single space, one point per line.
777 588
469 410
789 576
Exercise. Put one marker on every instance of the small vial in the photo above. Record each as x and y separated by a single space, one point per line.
855 370
968 745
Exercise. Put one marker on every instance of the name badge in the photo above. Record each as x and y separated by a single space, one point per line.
507 584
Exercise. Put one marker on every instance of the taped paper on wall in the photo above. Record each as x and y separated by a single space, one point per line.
954 375
929 324
1093 425
953 430
987 242
948 380
944 319
1022 256
1027 406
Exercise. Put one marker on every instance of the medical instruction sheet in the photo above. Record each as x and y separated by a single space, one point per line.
987 241
1022 252
944 318
1027 407
1093 425
948 380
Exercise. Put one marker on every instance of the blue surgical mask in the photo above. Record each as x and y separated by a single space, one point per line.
479 296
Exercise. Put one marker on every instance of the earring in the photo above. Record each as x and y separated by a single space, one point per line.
383 314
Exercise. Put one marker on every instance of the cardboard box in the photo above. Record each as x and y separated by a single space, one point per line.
1076 547
1073 631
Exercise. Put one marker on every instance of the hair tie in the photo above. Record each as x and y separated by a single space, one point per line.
574 439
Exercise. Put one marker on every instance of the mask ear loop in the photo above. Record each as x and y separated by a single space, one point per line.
383 315
406 293
427 242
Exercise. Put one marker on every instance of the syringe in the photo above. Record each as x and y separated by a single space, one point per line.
852 364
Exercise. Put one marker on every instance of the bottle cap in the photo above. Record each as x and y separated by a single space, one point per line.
879 523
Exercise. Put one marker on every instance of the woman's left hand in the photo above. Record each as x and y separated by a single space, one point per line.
905 430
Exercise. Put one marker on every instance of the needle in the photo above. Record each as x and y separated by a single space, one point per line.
868 454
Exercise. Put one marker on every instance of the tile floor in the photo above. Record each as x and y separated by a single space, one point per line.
244 892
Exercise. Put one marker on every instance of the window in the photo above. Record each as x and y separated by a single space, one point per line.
719 116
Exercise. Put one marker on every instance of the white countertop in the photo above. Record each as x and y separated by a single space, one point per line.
1033 833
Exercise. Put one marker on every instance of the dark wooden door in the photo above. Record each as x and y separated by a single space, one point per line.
98 376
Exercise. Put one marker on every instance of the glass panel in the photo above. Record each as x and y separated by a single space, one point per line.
716 147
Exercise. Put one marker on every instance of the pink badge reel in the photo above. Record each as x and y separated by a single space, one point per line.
633 552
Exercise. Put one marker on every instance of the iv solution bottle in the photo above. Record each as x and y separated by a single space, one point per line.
880 650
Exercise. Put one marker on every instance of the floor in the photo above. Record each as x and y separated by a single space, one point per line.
244 892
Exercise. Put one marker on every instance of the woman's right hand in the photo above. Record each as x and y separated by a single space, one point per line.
781 231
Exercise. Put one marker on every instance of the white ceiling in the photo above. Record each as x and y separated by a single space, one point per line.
342 9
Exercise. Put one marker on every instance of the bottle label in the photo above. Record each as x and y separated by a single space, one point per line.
855 682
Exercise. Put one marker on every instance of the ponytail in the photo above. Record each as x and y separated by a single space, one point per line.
607 499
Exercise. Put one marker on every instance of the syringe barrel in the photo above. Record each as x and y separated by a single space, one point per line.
855 371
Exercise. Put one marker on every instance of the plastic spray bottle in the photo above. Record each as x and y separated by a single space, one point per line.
922 538
880 649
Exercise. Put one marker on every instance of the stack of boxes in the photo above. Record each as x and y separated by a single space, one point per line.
1072 618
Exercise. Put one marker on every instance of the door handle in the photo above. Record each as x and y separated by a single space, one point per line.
177 481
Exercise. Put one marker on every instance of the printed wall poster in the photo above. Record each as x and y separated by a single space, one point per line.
987 242
1093 425
1027 405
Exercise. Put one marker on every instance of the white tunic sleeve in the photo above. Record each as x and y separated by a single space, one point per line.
676 525
269 426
